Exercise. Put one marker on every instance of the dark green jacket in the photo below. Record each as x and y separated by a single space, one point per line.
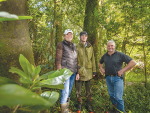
86 61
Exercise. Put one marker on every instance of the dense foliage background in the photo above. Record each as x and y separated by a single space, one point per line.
124 21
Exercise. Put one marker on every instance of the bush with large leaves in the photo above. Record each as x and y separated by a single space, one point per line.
11 94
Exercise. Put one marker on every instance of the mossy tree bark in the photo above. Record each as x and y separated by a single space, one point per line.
58 18
91 25
15 36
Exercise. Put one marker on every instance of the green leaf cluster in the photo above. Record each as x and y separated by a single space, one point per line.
11 94
137 96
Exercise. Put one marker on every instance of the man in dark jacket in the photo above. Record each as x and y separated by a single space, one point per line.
114 74
87 69
66 57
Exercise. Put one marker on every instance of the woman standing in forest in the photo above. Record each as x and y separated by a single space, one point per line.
66 57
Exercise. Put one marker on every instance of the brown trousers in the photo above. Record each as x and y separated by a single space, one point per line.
79 84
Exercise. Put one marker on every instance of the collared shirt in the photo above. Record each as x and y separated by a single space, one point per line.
114 62
85 44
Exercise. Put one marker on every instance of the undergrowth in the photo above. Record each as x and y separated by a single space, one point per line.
136 98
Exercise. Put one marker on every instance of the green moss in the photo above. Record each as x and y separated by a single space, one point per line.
17 41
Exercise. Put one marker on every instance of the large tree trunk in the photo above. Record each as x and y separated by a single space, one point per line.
90 24
15 36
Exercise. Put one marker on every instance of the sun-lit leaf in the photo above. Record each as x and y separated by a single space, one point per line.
23 80
57 77
45 76
19 72
63 72
19 18
26 66
32 72
50 96
12 94
37 71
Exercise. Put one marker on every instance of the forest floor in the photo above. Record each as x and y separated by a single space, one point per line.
100 96
101 101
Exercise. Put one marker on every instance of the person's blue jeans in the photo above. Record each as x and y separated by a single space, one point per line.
115 88
65 93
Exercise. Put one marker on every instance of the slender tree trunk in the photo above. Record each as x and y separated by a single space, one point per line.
33 29
51 39
15 36
100 33
58 23
124 43
144 54
145 65
90 24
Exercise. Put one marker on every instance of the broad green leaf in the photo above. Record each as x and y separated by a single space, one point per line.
19 72
34 88
53 81
28 81
45 76
32 71
55 74
60 86
62 72
56 78
25 17
12 94
50 96
37 71
19 18
23 77
4 80
26 66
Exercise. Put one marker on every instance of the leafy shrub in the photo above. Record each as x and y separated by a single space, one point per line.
24 98
101 99
137 98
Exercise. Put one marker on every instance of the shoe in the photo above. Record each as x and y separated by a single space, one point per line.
89 108
64 108
79 105
68 101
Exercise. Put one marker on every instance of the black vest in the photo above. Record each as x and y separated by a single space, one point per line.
69 57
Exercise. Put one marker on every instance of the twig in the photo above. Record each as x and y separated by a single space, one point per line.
16 108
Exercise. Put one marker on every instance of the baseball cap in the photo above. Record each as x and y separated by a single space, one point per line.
83 33
67 31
